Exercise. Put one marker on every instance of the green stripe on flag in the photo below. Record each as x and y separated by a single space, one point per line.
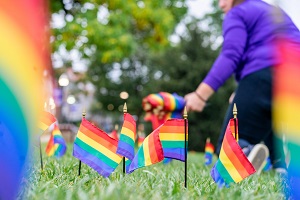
224 173
96 153
171 144
128 140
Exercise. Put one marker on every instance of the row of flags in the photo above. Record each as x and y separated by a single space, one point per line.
104 153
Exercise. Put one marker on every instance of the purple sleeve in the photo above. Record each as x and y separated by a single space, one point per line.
235 38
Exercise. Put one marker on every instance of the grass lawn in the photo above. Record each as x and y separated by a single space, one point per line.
60 180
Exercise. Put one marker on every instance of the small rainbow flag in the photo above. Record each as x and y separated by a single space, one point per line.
209 152
127 137
149 153
171 135
114 134
56 145
95 148
46 120
140 141
232 165
286 108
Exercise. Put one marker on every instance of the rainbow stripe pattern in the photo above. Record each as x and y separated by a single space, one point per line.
56 145
171 135
46 120
149 153
23 60
209 152
127 137
97 149
232 165
140 141
286 108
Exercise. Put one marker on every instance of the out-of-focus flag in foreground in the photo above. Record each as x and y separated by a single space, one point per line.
24 68
286 108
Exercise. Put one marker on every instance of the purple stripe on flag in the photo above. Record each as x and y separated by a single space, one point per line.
125 150
58 140
175 153
92 161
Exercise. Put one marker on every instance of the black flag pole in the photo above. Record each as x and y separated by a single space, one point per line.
234 112
185 146
41 156
124 111
79 166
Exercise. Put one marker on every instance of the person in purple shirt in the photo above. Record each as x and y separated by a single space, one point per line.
250 29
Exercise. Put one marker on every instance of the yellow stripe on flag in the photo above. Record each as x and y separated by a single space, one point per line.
172 136
147 157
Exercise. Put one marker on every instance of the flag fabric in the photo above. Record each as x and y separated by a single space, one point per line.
140 141
167 160
209 152
24 64
127 137
114 134
172 137
46 120
286 108
95 148
232 165
149 153
56 145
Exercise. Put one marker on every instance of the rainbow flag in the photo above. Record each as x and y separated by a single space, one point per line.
286 108
140 141
149 153
127 137
114 134
232 165
56 145
95 148
171 135
24 60
46 120
209 152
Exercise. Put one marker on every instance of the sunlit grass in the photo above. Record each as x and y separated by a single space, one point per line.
60 180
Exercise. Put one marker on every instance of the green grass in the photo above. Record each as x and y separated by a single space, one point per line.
60 180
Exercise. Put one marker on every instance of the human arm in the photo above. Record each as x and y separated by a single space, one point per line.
196 101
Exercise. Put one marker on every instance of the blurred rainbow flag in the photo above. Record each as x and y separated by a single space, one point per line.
24 67
286 108
46 120
209 152
140 141
232 165
56 145
96 148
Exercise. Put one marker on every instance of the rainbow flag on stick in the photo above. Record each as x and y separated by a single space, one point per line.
56 145
149 153
209 152
232 165
127 137
171 135
286 108
46 120
97 149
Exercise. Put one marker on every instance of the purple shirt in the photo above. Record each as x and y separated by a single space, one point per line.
249 35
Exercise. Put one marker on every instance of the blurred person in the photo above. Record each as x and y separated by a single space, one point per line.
248 52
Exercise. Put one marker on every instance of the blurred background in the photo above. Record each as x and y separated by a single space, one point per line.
106 53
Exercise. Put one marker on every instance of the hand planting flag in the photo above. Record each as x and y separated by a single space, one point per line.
56 145
149 153
232 166
286 108
209 152
95 148
172 138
